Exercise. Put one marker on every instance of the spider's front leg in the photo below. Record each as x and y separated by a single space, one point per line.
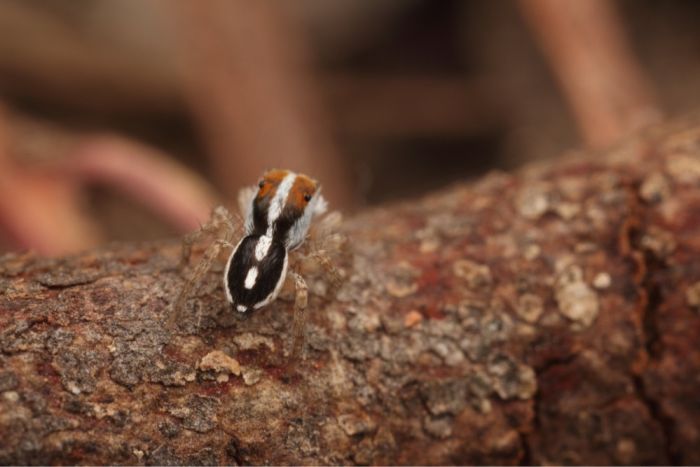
301 300
326 245
333 275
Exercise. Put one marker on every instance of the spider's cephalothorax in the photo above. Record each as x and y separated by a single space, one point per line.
277 220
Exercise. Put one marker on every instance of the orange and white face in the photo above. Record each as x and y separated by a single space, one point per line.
284 206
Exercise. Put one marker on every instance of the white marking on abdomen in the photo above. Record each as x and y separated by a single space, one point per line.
241 308
250 277
263 246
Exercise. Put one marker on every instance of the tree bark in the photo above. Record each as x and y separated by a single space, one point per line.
546 316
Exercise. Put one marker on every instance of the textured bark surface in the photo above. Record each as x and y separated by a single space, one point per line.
548 316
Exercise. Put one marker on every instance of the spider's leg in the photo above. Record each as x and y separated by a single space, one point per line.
210 255
233 223
298 327
220 220
324 244
333 273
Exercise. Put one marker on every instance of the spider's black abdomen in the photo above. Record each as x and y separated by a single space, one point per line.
252 283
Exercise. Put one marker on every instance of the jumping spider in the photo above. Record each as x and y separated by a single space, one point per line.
277 218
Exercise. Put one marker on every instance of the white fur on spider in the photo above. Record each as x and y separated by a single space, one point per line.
263 245
297 233
280 199
250 278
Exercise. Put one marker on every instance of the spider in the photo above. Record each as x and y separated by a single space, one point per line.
277 218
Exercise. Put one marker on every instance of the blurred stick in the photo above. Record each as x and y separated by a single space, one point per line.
38 210
43 58
380 106
603 83
249 86
146 175
40 197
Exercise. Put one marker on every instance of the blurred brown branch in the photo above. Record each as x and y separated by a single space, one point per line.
243 74
585 44
44 171
377 105
146 175
42 57
248 82
39 210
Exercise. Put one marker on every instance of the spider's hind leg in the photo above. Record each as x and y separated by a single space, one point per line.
210 255
222 223
221 220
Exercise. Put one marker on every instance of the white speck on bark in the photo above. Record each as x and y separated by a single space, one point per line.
577 301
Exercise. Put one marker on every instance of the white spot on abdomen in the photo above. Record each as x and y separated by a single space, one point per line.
250 277
262 247
241 308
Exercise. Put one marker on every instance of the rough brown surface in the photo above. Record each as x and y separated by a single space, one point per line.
550 316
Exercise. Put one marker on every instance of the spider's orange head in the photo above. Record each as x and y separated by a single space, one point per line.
285 204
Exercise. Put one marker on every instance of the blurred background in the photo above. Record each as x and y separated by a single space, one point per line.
130 119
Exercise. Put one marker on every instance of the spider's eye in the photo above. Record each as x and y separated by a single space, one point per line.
261 183
307 197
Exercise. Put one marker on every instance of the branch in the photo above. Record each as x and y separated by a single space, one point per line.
248 82
548 316
587 49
